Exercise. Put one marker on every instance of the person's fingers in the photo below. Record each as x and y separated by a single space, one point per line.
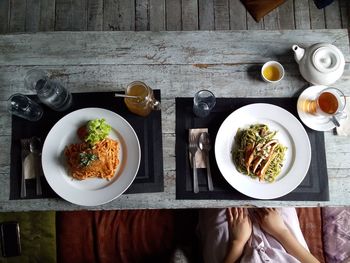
229 215
239 214
245 212
235 213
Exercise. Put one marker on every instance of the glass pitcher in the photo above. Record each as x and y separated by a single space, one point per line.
144 102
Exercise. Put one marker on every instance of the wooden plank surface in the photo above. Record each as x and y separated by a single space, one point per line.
206 14
4 16
47 15
32 16
94 15
238 15
332 15
141 15
17 19
173 15
302 14
177 63
138 47
286 15
189 15
317 17
221 15
159 15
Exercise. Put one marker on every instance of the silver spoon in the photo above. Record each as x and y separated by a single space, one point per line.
205 146
34 148
335 121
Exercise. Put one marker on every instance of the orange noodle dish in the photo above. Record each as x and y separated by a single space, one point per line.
96 156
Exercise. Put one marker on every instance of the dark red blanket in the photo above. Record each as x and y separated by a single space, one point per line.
115 236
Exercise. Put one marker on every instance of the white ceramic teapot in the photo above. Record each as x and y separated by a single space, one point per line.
320 64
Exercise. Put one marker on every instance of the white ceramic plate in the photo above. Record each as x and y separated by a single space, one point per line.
318 123
291 134
92 191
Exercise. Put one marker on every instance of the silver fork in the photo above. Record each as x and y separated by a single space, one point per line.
193 148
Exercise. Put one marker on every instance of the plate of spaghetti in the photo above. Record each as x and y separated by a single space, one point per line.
91 156
263 151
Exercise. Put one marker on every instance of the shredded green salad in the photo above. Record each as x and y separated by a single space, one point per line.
97 129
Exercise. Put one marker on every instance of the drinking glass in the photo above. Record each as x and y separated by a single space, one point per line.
328 102
22 106
50 92
203 102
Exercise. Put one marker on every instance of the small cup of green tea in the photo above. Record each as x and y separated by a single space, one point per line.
272 72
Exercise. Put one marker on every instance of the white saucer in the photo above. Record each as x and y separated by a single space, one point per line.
318 123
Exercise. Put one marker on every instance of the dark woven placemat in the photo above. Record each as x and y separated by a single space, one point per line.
148 129
313 188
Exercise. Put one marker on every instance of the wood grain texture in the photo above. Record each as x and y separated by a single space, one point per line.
286 15
4 16
332 15
302 14
344 12
271 20
118 15
32 16
79 15
206 14
17 20
189 15
94 15
252 24
173 15
47 15
63 15
177 63
157 15
317 16
221 15
142 15
238 15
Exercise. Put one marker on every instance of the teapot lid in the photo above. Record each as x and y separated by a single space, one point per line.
326 59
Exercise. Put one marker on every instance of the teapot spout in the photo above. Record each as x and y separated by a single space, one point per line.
298 53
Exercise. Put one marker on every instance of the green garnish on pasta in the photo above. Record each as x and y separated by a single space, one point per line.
257 153
97 130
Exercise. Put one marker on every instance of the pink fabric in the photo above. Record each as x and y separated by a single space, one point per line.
336 234
214 236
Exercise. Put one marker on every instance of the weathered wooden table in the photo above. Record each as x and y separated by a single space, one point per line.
179 64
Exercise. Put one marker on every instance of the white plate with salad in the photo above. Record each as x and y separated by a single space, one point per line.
90 191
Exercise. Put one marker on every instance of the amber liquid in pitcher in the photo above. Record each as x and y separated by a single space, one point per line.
139 106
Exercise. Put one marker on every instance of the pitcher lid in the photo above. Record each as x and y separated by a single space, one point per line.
326 59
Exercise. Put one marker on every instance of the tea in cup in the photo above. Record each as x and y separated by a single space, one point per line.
329 102
272 72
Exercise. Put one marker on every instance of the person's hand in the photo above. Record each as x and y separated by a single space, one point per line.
240 225
271 221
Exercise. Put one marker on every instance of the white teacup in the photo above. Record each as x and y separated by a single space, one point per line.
272 72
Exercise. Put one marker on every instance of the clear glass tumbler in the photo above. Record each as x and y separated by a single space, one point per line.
203 102
22 106
50 92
